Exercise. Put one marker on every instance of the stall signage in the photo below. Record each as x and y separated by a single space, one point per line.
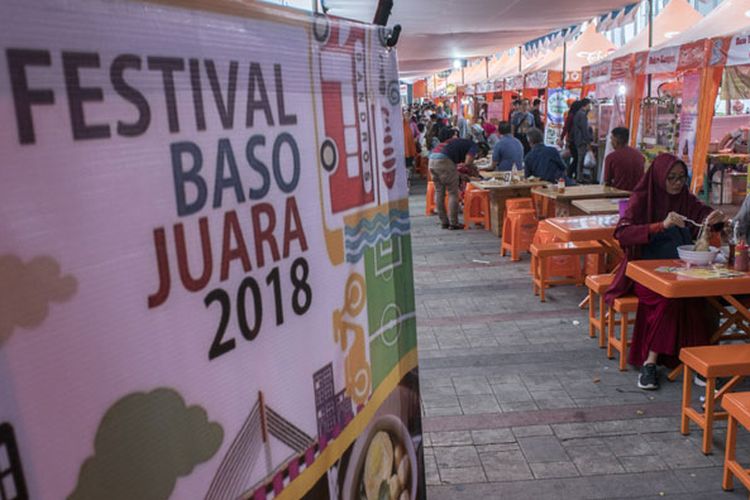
600 73
663 61
205 259
692 55
537 80
739 50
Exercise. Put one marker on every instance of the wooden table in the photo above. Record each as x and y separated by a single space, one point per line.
597 206
674 286
499 192
563 200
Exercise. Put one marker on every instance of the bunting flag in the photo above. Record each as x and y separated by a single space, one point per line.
617 18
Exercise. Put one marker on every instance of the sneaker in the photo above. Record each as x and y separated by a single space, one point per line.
455 227
648 380
699 380
446 226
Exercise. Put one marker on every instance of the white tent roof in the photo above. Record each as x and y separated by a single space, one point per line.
731 16
677 17
588 48
437 31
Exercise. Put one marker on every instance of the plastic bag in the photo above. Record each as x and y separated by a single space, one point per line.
589 161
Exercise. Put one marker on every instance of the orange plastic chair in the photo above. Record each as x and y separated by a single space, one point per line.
545 207
476 207
513 204
430 199
626 307
519 204
563 265
518 232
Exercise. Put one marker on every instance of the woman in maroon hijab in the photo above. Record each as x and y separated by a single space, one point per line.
653 228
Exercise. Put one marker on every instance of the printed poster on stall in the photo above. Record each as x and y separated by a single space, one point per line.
557 107
689 118
206 281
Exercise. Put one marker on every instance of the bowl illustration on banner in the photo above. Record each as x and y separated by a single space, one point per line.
383 463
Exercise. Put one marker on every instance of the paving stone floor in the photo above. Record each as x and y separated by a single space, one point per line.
519 402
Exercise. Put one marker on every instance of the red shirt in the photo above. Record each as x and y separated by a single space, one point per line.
623 168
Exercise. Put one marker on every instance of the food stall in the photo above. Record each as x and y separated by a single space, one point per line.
612 82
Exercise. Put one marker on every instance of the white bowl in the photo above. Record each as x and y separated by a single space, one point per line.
692 257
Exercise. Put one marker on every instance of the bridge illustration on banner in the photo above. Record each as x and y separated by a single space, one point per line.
253 439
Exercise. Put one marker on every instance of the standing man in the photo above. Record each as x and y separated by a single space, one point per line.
537 113
623 167
543 161
507 150
521 122
513 108
582 137
443 165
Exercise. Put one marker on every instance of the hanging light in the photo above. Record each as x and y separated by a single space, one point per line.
457 63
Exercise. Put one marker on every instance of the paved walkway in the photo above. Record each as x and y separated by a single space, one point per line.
520 403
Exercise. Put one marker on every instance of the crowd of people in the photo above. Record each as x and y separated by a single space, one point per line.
653 226
451 142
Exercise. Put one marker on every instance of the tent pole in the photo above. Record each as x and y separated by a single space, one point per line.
486 68
520 47
565 62
650 36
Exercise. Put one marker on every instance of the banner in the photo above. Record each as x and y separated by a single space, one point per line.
739 50
691 88
557 107
495 110
205 264
662 60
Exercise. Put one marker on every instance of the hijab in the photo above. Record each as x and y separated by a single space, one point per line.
650 202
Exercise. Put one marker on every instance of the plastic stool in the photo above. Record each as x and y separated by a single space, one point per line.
476 207
518 232
561 265
598 285
625 306
430 199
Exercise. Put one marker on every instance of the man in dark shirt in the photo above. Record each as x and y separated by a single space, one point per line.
542 161
623 167
537 113
443 165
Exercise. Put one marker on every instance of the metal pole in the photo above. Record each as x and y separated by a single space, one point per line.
462 76
650 36
520 51
486 68
565 62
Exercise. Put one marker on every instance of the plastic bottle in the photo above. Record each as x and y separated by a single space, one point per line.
513 173
740 257
561 185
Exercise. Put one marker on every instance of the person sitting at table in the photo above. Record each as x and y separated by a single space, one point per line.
623 167
507 150
543 161
652 228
